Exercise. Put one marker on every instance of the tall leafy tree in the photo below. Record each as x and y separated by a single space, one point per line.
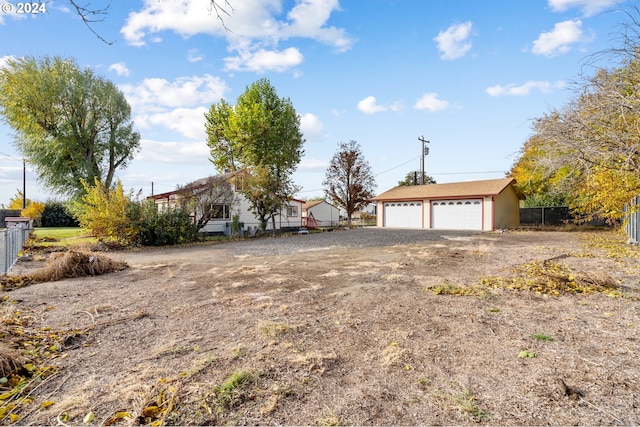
413 178
349 181
70 124
538 180
260 135
595 137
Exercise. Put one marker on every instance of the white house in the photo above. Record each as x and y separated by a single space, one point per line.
319 213
290 217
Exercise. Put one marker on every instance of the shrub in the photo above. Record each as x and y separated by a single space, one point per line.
34 211
153 228
102 211
56 214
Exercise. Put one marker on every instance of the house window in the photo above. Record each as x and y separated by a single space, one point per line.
292 211
220 212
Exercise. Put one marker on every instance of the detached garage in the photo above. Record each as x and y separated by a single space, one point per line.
473 205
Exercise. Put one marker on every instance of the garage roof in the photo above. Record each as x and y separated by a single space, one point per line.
489 187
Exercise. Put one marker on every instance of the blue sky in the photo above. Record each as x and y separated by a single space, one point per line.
468 75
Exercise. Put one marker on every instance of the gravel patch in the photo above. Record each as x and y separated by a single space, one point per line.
354 238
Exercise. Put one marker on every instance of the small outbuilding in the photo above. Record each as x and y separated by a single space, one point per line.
473 205
319 214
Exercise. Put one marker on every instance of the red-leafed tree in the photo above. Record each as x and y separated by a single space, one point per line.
349 182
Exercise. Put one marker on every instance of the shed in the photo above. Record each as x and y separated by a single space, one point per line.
18 221
472 205
319 213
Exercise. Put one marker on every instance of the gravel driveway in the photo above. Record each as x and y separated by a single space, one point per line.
290 244
354 238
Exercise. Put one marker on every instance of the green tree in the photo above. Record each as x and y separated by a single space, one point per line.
70 124
413 178
56 214
261 136
349 182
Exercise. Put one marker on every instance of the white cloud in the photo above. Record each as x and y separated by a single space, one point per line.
560 39
172 152
188 121
264 60
179 105
430 102
369 106
312 165
588 7
311 126
155 94
193 55
120 68
525 89
5 59
256 28
454 41
308 19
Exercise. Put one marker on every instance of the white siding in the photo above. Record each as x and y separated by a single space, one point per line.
325 214
246 216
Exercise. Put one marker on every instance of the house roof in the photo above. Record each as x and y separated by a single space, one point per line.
195 184
202 182
312 203
490 187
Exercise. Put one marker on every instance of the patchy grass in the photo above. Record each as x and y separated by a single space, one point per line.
463 401
467 402
273 329
61 236
233 391
542 337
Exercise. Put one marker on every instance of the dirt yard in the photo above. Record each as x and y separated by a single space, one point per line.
440 329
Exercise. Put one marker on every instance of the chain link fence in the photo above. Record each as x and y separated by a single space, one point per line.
11 242
632 221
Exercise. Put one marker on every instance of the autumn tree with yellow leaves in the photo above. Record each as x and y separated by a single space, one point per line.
587 153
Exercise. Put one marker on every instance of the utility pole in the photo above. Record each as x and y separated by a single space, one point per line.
425 152
24 184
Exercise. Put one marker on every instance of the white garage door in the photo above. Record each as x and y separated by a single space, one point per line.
403 214
457 214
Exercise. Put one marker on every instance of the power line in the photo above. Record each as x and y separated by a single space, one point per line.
396 167
465 173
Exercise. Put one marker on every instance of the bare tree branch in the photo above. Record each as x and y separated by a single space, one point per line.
220 9
90 16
